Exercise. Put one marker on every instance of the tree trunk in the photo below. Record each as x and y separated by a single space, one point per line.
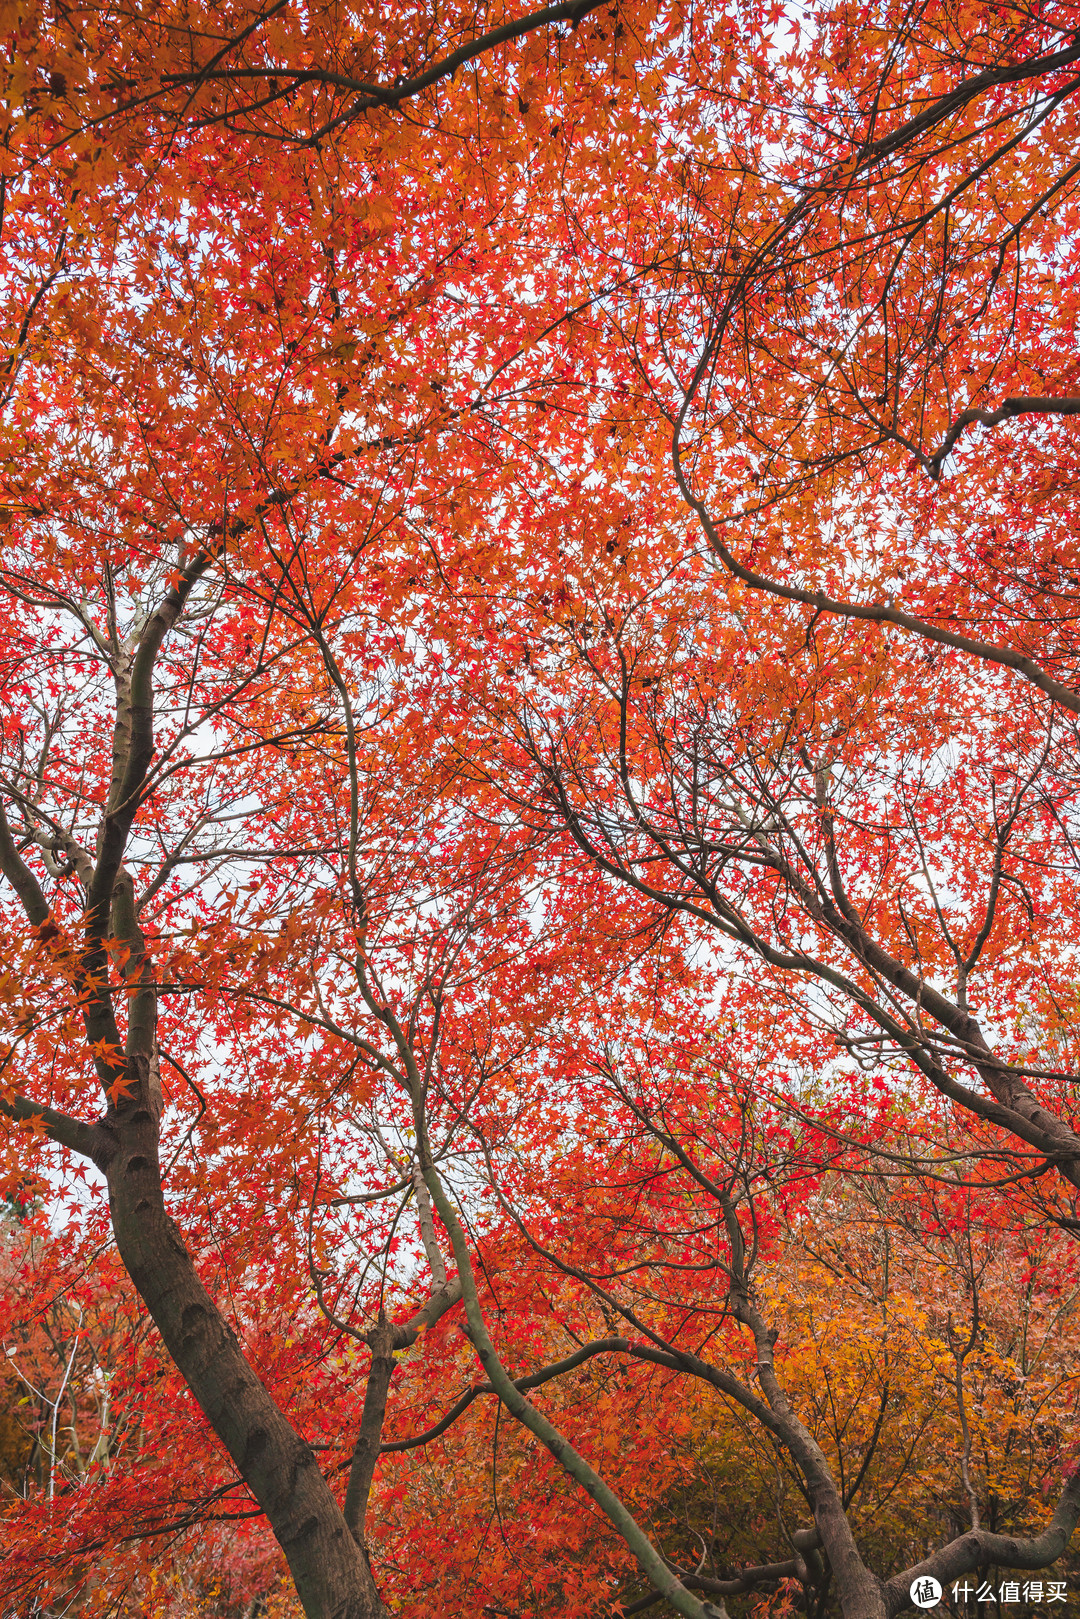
332 1576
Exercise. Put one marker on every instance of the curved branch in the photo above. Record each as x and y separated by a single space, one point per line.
1035 405
602 1346
21 878
367 95
81 1136
979 1548
638 1542
875 612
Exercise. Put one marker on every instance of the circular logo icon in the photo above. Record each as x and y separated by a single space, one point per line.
925 1592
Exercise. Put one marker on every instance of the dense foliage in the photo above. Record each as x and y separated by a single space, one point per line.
538 781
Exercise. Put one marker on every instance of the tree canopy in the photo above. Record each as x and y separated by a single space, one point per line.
538 795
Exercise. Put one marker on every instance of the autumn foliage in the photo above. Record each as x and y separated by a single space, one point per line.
538 803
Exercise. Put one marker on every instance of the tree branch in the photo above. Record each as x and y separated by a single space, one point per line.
387 96
1034 405
90 1140
20 876
979 1548
367 1449
603 1346
876 612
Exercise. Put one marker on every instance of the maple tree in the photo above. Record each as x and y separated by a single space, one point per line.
532 720
869 1306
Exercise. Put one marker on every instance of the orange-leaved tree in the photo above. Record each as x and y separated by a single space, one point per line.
534 731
